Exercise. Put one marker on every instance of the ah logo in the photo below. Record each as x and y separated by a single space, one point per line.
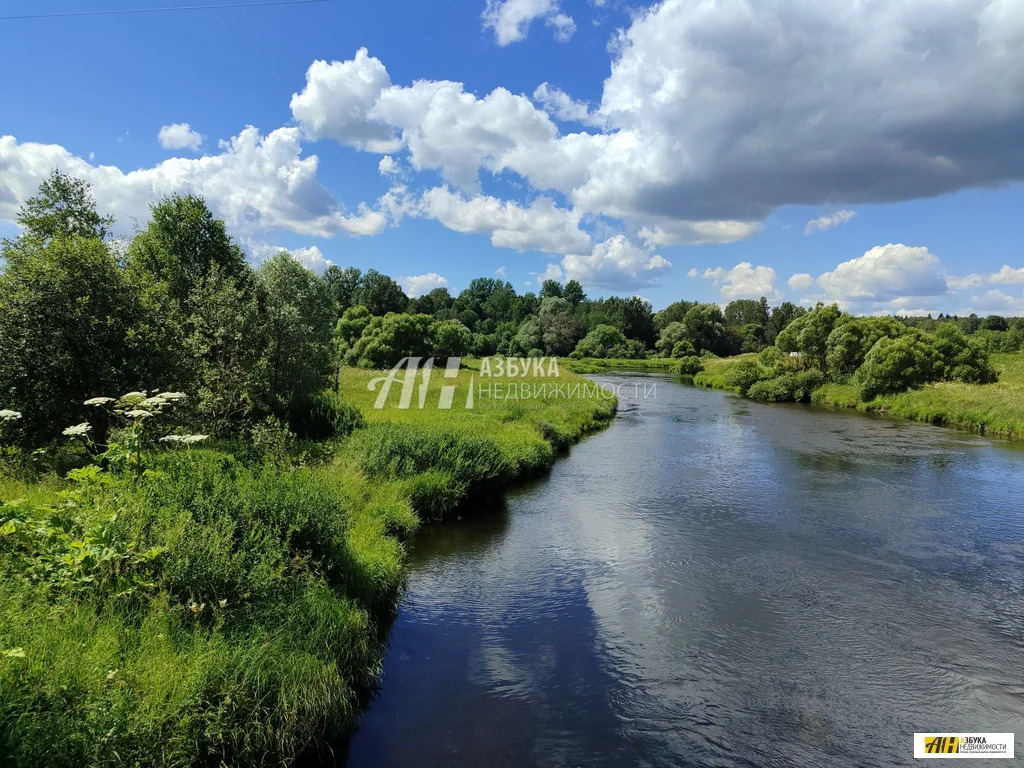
413 371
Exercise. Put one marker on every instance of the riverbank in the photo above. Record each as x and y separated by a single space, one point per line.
226 604
994 409
599 365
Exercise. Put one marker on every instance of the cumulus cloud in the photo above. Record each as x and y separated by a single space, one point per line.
996 302
500 271
744 281
540 226
559 104
800 281
388 166
179 136
822 223
616 264
417 285
1006 275
510 20
256 183
310 257
337 100
884 273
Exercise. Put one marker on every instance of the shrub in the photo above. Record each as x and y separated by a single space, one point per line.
690 365
776 390
743 375
894 365
963 359
606 341
326 414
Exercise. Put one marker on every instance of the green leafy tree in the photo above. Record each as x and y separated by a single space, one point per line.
528 339
388 339
344 285
450 338
298 318
672 335
747 312
895 365
849 342
573 293
606 341
808 334
64 207
560 328
66 320
551 289
380 294
781 316
962 358
673 313
705 328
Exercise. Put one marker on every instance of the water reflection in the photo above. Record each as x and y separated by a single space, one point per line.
712 582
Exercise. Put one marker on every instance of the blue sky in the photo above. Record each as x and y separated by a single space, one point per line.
677 150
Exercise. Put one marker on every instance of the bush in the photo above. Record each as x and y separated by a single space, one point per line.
743 375
894 365
776 390
608 342
690 365
963 359
323 416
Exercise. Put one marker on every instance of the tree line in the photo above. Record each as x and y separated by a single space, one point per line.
178 306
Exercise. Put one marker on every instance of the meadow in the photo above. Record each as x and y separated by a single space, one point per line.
995 409
228 604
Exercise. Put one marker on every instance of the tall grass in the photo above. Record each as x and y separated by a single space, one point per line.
228 611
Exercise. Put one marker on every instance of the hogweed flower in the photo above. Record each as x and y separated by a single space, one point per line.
8 415
79 430
184 439
137 413
99 401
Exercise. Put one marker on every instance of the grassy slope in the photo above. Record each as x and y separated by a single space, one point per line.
276 668
991 409
597 365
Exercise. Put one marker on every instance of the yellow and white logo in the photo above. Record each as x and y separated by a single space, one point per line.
965 745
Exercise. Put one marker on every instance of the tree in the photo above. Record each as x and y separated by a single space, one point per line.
528 339
962 358
551 289
450 338
299 318
573 293
182 244
606 341
808 334
672 336
704 327
746 312
781 316
66 318
894 365
64 207
344 285
994 323
849 343
388 339
560 328
380 294
673 313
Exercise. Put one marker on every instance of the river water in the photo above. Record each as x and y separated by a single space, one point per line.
715 582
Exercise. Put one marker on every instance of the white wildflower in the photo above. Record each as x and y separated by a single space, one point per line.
154 403
137 413
99 400
132 398
173 397
184 439
6 415
79 430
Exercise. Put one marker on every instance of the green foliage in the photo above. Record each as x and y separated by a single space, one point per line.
808 334
704 327
560 328
743 375
849 342
605 341
962 359
63 208
689 365
449 338
380 294
898 364
386 340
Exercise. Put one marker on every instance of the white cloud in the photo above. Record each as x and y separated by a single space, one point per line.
310 257
511 19
559 104
417 285
822 223
800 281
997 302
337 100
1006 275
698 232
178 136
388 166
886 272
540 226
256 183
500 271
616 264
744 281
551 272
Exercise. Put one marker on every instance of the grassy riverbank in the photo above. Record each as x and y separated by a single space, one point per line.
598 365
993 409
224 605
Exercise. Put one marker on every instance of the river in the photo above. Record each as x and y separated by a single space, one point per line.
715 582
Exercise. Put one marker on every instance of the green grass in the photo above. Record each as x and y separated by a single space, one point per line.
598 365
991 409
231 611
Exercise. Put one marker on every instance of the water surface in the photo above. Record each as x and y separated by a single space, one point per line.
715 582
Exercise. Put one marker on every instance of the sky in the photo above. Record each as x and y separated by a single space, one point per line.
866 153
